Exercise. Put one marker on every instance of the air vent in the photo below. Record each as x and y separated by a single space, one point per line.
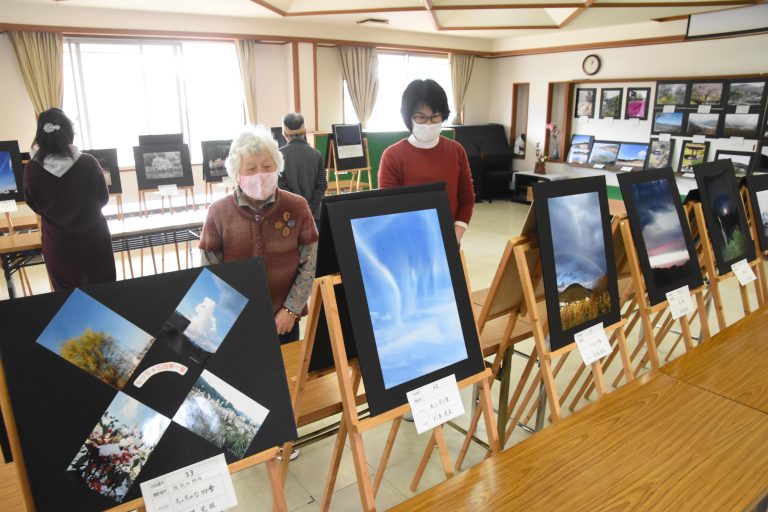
374 21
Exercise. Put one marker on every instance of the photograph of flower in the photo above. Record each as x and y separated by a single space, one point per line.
668 122
660 154
118 447
585 102
221 414
7 178
741 125
95 339
637 103
693 153
702 124
610 103
746 93
604 153
409 292
632 155
707 93
165 164
581 145
741 160
203 318
215 153
671 93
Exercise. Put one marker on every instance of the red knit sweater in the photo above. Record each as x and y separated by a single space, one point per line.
403 164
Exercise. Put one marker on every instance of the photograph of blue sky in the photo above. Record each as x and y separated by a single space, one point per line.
212 307
410 296
668 122
7 180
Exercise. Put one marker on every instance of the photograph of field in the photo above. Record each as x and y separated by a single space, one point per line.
409 291
632 155
741 125
693 153
762 205
580 147
668 122
702 124
610 103
637 102
585 102
724 204
660 154
163 165
742 161
96 339
746 93
7 178
604 153
221 414
671 94
118 447
580 262
707 93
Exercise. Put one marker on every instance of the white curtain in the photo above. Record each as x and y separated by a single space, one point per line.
461 73
246 56
360 67
41 60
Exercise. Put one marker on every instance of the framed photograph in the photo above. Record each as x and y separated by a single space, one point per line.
660 231
277 134
604 152
746 92
724 214
577 259
742 160
741 125
707 93
632 154
671 93
350 149
215 152
162 165
757 185
108 161
581 145
703 124
693 153
585 102
610 103
11 172
638 100
660 154
405 290
668 122
161 139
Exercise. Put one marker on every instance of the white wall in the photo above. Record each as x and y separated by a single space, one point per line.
330 91
17 115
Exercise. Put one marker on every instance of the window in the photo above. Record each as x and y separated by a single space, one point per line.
396 71
116 90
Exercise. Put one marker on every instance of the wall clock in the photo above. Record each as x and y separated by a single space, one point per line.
591 64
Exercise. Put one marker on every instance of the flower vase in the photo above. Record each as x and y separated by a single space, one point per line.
556 150
540 168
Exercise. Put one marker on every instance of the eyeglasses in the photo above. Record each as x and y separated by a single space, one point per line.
434 118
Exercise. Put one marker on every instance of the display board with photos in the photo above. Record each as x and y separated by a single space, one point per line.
349 149
166 164
757 184
406 293
662 238
577 256
215 153
724 214
11 172
108 161
177 368
617 155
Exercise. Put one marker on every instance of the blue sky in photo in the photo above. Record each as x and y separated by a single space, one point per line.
660 224
81 311
675 118
135 415
629 152
7 180
410 296
212 306
580 139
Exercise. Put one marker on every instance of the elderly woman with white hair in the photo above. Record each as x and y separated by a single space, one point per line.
259 219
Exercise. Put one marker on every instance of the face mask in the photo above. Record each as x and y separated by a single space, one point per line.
427 133
260 185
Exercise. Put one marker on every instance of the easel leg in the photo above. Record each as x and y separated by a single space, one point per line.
333 469
385 456
276 484
597 373
424 460
685 326
624 352
361 470
491 428
703 317
445 458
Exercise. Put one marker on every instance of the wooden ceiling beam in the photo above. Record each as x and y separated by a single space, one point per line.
432 15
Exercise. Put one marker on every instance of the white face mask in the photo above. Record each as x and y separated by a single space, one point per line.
427 133
260 185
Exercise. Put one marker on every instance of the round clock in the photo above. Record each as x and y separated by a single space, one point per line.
591 64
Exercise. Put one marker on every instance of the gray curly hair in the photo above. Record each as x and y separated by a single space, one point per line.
252 139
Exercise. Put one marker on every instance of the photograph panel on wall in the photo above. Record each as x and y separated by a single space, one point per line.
638 103
108 161
215 153
741 125
405 290
610 102
757 184
668 122
581 145
742 160
746 92
707 93
577 257
660 154
660 231
724 214
632 154
703 124
604 152
11 172
671 93
585 102
693 153
162 165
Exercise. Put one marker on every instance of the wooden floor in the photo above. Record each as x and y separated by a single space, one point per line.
10 492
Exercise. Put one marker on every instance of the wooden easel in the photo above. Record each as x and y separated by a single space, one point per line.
119 204
754 224
354 183
188 190
209 190
352 426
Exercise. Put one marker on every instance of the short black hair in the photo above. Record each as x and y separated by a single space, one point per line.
427 92
58 140
293 121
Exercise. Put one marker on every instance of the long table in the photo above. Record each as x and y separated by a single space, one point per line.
689 437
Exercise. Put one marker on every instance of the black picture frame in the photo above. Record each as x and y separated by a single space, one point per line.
672 92
668 122
108 161
708 93
741 125
426 212
638 103
161 139
724 214
584 104
747 91
602 150
691 154
660 232
611 107
349 135
703 124
632 154
757 185
178 170
590 252
11 172
581 146
660 154
215 152
742 161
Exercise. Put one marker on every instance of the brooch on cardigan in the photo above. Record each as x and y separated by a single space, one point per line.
286 224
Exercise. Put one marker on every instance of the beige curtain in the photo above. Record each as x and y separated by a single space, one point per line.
461 72
41 60
246 55
360 68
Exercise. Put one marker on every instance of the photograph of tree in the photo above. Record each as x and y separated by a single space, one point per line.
702 124
746 93
741 125
221 414
637 102
96 339
610 103
660 154
110 460
693 153
162 165
7 178
707 93
585 102
604 153
671 94
580 148
668 122
409 292
203 318
632 155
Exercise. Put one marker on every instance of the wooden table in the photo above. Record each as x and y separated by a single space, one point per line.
15 252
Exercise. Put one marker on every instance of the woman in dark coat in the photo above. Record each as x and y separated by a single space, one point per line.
67 189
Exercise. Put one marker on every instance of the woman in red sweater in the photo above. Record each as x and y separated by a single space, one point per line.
425 156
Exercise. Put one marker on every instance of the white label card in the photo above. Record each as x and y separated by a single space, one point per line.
593 343
699 139
584 119
435 403
609 119
680 302
355 150
634 121
598 166
743 272
626 168
202 487
669 108
665 137
737 141
742 109
167 190
704 109
8 206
